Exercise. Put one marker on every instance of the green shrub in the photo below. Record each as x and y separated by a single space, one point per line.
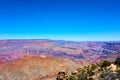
83 77
105 64
90 78
71 78
94 66
91 73
117 61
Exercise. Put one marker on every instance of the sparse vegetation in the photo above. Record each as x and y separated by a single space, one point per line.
117 62
105 64
90 78
104 70
72 78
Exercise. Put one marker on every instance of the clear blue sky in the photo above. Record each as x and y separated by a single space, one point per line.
60 19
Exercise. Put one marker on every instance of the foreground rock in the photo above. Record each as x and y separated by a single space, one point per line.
103 70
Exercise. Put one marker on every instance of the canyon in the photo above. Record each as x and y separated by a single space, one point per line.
42 59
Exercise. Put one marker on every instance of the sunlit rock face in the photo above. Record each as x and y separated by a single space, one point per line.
34 67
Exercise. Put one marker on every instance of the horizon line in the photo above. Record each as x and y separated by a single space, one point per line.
66 40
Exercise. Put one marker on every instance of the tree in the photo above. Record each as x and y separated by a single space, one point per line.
105 64
117 61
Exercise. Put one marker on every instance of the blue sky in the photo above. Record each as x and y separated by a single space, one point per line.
80 20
